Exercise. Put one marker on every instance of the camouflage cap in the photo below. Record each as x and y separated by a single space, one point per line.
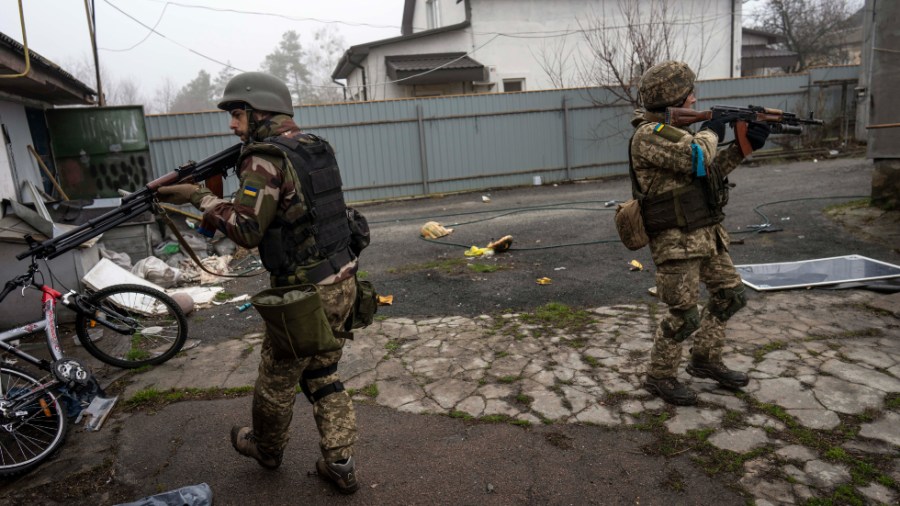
261 91
666 84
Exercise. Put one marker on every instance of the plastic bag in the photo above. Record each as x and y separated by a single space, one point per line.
156 271
192 495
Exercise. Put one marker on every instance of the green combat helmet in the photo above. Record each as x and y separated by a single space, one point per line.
262 91
666 84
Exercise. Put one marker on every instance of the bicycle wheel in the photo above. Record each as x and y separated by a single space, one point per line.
32 425
131 326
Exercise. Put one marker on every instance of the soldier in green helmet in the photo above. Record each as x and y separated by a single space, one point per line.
290 205
681 177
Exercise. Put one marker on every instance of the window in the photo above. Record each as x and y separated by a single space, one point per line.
514 85
433 13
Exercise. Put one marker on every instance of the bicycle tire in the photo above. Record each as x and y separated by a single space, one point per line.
153 327
31 432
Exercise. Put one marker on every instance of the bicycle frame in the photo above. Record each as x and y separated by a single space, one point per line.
49 298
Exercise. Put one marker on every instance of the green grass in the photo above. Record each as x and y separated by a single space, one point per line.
848 206
483 268
370 390
524 399
392 345
508 379
768 348
362 274
589 360
224 295
558 316
892 402
462 415
151 397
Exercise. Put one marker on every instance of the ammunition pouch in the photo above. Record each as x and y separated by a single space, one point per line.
366 304
686 208
272 250
295 322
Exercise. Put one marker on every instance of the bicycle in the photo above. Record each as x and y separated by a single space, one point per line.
33 419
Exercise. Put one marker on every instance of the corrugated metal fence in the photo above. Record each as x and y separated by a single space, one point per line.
403 148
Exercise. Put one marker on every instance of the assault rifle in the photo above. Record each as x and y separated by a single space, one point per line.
134 204
778 121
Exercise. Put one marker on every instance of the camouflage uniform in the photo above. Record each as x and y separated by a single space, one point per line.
268 191
683 259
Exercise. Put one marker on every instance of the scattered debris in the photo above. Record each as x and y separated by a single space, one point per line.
652 291
434 230
502 244
559 268
635 266
475 251
544 281
485 198
385 300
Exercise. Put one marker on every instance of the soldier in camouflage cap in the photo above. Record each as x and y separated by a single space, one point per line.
688 244
271 211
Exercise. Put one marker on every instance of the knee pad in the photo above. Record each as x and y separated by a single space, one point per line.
691 322
331 388
726 302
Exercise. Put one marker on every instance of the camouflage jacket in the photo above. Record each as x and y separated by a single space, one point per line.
267 191
660 165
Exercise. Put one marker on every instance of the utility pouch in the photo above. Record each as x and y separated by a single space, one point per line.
630 225
295 321
366 304
271 249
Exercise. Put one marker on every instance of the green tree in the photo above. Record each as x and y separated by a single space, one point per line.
197 95
287 63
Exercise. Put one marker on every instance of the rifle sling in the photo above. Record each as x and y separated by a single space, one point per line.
190 251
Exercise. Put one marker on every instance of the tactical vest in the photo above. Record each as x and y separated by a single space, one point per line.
690 207
282 249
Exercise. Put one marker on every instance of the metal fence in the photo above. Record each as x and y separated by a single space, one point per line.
414 147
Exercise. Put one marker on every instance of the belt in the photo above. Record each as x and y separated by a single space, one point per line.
314 275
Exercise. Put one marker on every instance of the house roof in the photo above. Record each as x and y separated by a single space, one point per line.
433 68
358 53
771 38
45 81
760 56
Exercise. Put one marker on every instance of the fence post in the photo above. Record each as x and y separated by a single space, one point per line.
423 154
566 145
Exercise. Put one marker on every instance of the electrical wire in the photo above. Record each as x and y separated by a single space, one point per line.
198 53
149 33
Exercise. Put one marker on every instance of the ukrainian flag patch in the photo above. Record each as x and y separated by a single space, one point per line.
250 191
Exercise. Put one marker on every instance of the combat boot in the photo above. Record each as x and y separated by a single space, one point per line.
671 391
244 441
343 476
700 367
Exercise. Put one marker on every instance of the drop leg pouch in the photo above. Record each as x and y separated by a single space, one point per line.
295 321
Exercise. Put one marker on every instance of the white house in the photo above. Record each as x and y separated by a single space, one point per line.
450 47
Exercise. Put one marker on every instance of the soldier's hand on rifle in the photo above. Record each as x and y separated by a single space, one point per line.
176 193
757 133
716 125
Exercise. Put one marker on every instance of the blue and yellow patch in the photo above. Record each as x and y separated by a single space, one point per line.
668 132
250 191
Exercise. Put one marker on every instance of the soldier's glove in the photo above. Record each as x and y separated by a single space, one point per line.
176 193
757 133
716 125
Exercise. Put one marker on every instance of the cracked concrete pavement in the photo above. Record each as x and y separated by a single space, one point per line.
817 360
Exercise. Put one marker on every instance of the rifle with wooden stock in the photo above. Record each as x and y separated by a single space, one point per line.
135 204
778 121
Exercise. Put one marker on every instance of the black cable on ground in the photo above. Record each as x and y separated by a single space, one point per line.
764 227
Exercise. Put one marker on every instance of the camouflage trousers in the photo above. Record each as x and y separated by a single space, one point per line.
275 391
678 286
